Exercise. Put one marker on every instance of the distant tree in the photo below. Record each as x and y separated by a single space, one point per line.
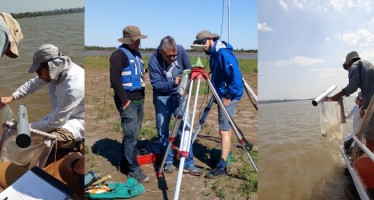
47 13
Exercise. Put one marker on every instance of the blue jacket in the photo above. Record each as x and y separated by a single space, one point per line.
132 74
226 75
162 75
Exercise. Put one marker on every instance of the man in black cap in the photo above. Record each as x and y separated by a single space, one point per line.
361 75
127 81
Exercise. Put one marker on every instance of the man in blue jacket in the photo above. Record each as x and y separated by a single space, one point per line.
165 67
227 81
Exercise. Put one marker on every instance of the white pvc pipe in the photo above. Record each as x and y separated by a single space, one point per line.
317 100
33 131
23 138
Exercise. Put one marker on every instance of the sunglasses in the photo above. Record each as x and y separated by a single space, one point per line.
171 56
203 42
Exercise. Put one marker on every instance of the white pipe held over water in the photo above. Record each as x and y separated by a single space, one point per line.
317 100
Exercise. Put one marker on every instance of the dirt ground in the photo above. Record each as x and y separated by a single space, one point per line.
104 137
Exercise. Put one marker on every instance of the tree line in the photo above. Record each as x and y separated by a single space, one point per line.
47 13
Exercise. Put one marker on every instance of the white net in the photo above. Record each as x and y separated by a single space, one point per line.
35 154
331 120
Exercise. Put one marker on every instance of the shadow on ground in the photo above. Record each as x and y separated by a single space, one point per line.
109 149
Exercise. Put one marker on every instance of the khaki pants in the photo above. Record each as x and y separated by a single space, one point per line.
64 138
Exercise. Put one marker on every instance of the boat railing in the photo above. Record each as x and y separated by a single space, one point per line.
368 114
350 159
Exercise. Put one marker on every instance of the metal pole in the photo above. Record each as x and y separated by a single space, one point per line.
184 144
228 23
233 125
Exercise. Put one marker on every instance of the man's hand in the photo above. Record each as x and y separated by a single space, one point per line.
362 113
124 106
5 100
226 102
337 96
177 80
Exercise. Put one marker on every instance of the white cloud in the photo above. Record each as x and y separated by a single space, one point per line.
361 37
339 5
323 5
367 55
327 39
301 60
298 60
283 5
337 76
297 4
263 27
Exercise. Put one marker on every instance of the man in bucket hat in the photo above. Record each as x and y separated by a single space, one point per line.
66 93
227 80
10 35
361 75
127 81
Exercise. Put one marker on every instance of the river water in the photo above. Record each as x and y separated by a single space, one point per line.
295 161
64 31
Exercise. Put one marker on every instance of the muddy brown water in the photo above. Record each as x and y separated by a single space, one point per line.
295 161
64 31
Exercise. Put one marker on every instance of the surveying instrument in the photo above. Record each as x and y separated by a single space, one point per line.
185 89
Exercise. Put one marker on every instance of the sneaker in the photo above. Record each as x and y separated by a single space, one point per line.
193 170
139 176
216 172
168 168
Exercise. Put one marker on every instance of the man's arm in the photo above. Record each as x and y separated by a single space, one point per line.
117 60
234 77
27 88
69 100
155 76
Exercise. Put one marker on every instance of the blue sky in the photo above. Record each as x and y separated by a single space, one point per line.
302 44
105 20
17 6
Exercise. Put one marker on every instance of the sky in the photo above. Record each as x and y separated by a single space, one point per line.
105 20
17 6
303 44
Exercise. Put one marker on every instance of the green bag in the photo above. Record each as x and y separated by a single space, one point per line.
121 190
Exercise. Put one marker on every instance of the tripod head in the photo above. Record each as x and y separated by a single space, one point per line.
198 63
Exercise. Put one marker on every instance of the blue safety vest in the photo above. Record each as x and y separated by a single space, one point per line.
131 75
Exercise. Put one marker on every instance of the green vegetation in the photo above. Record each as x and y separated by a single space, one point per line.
96 62
47 13
102 62
97 48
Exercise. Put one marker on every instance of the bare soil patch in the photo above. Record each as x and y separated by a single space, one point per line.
104 137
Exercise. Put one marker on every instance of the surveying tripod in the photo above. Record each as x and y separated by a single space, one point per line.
196 74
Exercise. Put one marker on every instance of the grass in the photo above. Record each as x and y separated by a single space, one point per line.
102 62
